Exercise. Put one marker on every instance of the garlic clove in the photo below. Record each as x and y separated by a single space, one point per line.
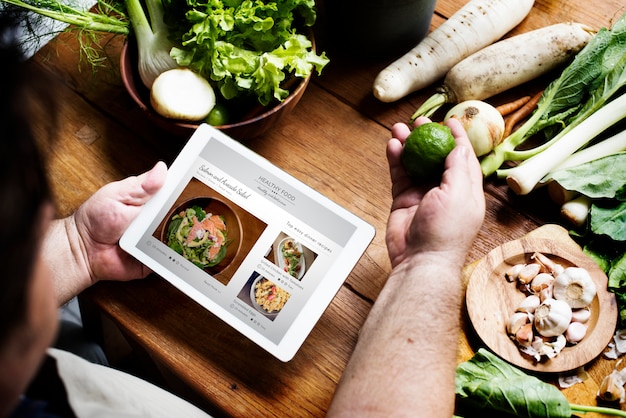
575 286
612 388
524 336
548 265
552 317
529 304
581 315
513 272
575 332
516 321
528 273
542 283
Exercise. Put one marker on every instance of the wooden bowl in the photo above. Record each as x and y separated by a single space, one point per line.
491 299
254 122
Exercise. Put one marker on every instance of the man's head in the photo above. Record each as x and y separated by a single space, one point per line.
27 300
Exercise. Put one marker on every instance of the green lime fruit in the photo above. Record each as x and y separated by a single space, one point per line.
425 151
218 115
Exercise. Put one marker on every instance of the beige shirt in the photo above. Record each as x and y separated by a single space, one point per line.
97 391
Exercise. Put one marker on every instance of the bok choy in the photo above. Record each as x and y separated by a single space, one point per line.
594 76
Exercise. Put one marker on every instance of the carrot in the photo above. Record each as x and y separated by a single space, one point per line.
509 63
477 24
521 114
510 107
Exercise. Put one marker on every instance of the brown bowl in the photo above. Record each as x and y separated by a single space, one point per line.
491 299
255 122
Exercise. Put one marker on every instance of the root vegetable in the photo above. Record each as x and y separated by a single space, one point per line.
182 94
576 211
482 122
509 63
521 113
477 24
508 108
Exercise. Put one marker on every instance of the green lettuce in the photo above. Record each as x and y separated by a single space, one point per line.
245 47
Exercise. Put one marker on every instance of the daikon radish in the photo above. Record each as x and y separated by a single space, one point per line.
477 24
509 63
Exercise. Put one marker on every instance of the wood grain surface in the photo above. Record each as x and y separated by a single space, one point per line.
334 140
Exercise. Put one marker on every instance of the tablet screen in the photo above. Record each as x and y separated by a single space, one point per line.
247 241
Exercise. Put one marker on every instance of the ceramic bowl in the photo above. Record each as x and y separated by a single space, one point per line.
253 123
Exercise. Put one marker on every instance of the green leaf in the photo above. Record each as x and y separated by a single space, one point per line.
617 273
248 46
601 178
489 382
609 220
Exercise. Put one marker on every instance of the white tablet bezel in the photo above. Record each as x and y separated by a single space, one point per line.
316 301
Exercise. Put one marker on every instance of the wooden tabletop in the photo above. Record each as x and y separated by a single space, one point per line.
336 139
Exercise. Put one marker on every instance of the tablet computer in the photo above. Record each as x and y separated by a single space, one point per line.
247 241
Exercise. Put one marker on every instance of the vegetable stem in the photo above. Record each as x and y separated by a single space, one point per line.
597 409
597 72
431 105
83 19
523 178
609 146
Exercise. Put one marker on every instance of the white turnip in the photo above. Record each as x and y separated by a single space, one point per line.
509 63
477 24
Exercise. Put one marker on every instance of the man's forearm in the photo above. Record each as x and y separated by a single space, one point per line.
404 361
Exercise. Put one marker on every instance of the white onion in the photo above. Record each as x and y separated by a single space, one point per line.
482 122
182 94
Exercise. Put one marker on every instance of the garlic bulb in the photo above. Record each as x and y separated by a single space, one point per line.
575 286
552 317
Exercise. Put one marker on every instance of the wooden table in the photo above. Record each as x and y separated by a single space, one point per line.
336 138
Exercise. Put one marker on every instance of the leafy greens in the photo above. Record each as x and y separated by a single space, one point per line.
488 382
597 72
244 46
604 236
247 48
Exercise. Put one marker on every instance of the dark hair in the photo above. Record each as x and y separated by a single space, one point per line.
24 189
